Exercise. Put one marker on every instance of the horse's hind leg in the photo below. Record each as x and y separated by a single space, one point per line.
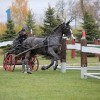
23 65
27 57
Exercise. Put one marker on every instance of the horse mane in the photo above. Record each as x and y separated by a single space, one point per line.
53 31
56 28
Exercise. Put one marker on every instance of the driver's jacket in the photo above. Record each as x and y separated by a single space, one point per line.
17 43
21 37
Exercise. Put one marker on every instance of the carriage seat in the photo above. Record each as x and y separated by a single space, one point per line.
18 48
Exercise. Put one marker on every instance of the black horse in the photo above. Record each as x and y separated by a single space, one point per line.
47 46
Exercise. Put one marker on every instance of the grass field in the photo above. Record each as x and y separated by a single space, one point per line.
47 85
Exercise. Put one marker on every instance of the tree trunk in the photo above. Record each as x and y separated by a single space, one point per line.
82 7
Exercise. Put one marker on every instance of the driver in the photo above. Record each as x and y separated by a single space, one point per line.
22 35
17 43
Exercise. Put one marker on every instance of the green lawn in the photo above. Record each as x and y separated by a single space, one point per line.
1 59
47 85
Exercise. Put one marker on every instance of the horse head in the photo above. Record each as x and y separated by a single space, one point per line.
67 30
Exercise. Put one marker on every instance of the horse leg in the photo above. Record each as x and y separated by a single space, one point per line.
46 67
55 65
23 64
27 57
56 58
54 61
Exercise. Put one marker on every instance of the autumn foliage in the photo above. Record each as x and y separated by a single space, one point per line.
2 28
19 11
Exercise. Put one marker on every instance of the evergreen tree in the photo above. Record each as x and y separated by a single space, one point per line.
58 20
92 30
10 31
30 21
50 21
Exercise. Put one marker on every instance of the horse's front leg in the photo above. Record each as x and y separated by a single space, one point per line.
27 57
55 64
48 66
54 61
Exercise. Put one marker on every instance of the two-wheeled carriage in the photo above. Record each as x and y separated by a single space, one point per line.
12 58
48 46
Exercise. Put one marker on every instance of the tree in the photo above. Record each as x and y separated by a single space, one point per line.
2 28
96 11
50 22
72 10
90 26
78 7
10 32
83 8
61 9
58 20
19 11
30 22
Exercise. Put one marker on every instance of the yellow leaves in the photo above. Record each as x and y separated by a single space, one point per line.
18 28
2 28
19 11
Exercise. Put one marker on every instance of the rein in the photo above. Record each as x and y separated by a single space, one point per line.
35 47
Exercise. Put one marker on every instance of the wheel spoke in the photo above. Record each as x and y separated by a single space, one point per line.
34 63
8 63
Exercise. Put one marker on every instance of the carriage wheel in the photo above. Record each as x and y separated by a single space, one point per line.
34 63
4 62
9 62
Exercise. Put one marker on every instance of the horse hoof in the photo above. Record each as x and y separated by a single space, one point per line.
55 68
29 72
43 68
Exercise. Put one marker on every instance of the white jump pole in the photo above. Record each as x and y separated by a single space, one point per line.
63 67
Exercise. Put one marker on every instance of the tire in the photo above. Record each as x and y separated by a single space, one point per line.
9 62
34 63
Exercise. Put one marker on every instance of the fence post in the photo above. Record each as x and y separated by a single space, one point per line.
99 54
96 43
73 52
63 55
83 56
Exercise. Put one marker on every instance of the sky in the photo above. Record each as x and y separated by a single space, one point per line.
37 6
